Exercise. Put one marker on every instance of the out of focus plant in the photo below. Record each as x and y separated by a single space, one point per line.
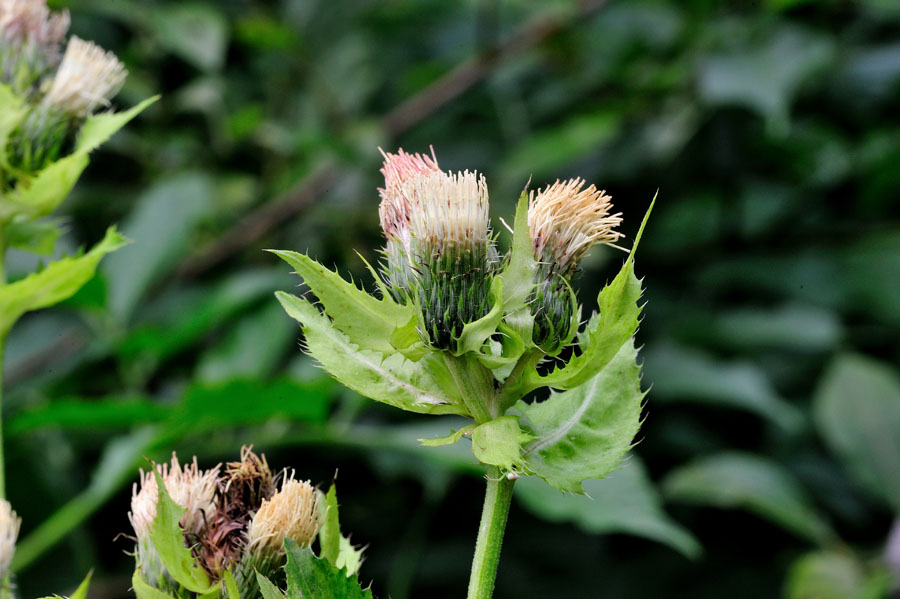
460 329
49 124
241 533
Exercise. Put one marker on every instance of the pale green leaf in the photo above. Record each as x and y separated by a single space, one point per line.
168 539
58 281
100 127
834 575
857 411
391 379
47 189
349 558
585 432
35 236
518 276
367 321
143 590
450 439
334 546
82 590
734 480
475 333
499 442
624 502
313 577
267 589
231 589
12 111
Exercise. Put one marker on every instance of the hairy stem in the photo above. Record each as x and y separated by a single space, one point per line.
490 534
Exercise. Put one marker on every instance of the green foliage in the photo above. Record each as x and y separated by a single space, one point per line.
857 410
734 480
834 575
311 576
56 282
334 546
499 442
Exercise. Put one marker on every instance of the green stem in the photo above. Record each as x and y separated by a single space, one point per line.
477 394
490 534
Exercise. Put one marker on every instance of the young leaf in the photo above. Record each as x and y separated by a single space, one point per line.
35 236
734 480
313 577
168 539
58 281
367 321
335 547
450 439
585 432
391 379
42 194
143 590
518 275
499 442
475 333
267 589
100 127
231 589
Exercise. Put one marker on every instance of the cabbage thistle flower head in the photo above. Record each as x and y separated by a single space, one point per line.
30 40
88 77
9 531
440 253
189 487
292 512
565 220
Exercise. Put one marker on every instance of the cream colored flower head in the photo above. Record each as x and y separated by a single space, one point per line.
9 532
31 20
565 220
293 512
188 486
449 208
88 77
399 169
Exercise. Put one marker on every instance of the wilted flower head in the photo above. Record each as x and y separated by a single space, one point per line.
565 220
292 512
87 78
30 39
9 531
189 487
439 251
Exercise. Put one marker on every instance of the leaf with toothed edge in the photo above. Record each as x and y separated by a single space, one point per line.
585 432
389 378
499 442
518 276
314 577
366 320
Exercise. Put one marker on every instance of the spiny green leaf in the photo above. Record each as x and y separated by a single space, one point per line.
143 590
168 539
335 547
311 577
391 379
100 127
46 190
499 442
35 236
584 432
267 589
734 480
450 439
518 276
58 281
475 333
367 321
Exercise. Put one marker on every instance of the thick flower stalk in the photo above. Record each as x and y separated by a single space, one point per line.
439 252
459 329
565 220
9 531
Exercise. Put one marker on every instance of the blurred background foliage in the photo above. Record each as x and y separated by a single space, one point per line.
769 462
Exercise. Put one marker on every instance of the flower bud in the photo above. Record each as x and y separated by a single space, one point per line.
189 487
564 221
9 531
440 251
30 39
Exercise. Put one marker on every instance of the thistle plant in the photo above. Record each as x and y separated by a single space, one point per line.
456 328
241 533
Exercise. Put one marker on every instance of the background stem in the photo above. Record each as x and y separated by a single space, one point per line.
490 534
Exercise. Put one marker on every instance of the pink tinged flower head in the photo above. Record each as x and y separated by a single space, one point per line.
188 486
88 77
398 170
9 532
31 20
565 220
